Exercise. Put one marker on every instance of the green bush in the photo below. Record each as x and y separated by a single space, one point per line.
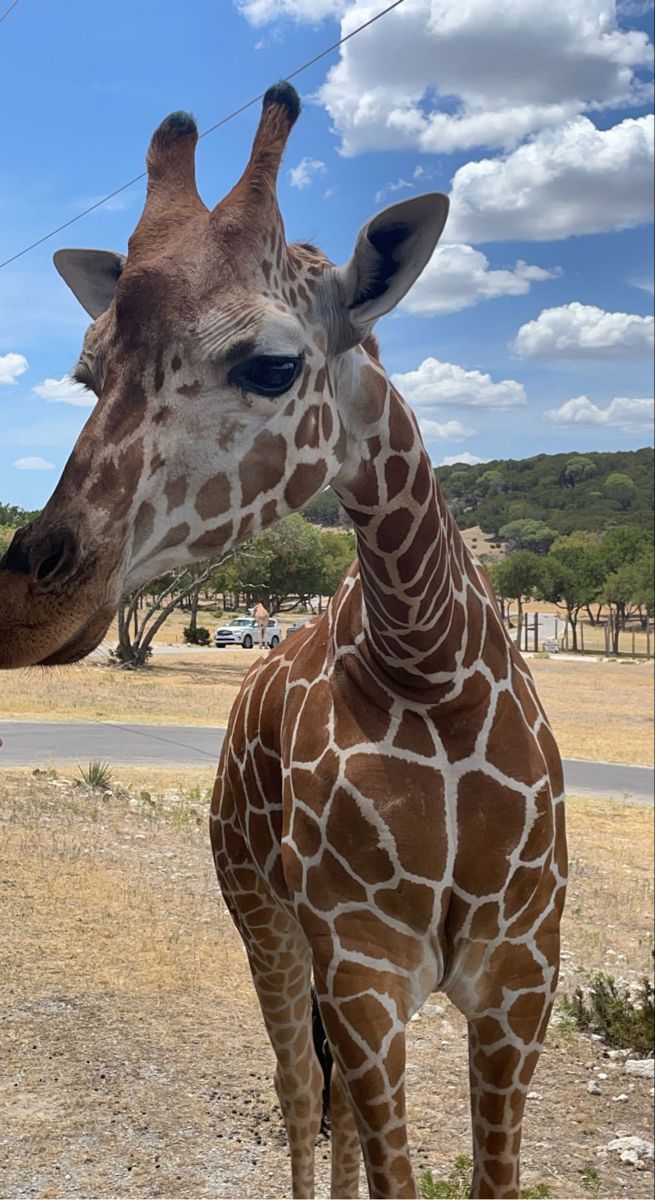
200 636
619 1019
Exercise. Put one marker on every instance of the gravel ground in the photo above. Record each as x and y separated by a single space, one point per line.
134 1060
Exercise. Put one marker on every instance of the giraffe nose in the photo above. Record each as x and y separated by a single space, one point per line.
48 559
54 560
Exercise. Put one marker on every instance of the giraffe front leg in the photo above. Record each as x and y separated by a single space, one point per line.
368 1046
500 1076
506 995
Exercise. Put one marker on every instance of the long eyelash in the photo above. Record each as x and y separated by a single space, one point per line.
81 376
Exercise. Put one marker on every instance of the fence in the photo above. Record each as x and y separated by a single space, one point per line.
542 631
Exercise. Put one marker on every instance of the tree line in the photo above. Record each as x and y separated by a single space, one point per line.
565 492
583 571
568 492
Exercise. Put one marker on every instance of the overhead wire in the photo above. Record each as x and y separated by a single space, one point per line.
223 121
9 10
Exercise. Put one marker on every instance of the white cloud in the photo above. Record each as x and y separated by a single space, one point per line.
630 415
645 283
64 391
457 276
448 431
468 460
420 174
302 175
33 463
11 366
260 12
394 185
584 331
576 179
440 75
435 384
115 204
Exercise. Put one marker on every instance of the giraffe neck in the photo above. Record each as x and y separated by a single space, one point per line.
417 578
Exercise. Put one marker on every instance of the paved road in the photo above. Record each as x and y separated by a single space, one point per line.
41 744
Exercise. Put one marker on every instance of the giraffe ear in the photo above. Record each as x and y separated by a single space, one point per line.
391 251
91 275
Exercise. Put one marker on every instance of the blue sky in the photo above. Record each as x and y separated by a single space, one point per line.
530 331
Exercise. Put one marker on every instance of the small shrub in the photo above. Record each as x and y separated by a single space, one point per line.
97 776
621 1020
200 636
458 1184
590 1180
140 659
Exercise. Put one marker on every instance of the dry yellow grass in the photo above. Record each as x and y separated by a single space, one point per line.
609 917
599 710
191 689
134 1057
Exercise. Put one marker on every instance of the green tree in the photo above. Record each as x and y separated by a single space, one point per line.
279 566
622 544
15 517
139 620
491 483
337 552
628 584
644 582
515 578
572 577
620 489
576 470
528 534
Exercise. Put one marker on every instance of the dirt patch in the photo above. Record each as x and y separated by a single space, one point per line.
134 1056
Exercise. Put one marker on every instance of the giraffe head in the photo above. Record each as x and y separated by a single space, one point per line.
214 352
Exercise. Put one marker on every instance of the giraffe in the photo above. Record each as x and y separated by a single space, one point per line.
388 816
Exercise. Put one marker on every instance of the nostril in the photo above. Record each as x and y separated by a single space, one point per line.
54 559
48 567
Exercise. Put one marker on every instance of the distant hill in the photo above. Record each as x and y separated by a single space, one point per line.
565 491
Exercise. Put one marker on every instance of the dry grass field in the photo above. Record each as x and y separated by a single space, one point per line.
599 710
134 1057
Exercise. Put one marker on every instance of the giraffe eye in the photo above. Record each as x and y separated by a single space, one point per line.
267 375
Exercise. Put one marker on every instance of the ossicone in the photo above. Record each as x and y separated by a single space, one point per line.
280 111
171 155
